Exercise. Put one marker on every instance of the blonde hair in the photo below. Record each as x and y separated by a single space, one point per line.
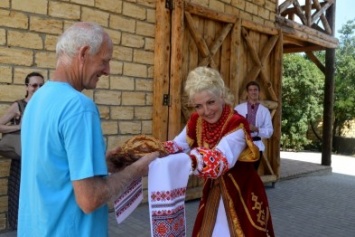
207 79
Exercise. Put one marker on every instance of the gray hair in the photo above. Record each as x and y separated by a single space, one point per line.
78 35
207 79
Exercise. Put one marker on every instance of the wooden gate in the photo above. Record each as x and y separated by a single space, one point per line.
190 35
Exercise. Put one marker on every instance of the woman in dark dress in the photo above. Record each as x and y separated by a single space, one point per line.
10 122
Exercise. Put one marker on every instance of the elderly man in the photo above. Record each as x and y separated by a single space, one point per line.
65 184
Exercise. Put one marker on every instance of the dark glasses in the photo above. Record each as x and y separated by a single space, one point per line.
35 85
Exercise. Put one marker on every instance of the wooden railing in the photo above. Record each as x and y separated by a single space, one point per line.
312 14
307 23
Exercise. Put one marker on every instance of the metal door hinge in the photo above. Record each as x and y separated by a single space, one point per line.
169 4
166 99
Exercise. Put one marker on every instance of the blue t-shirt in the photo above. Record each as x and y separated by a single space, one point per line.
62 141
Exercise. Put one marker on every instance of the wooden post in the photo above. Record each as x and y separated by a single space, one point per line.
328 95
161 70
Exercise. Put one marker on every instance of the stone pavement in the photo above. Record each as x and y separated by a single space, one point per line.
309 200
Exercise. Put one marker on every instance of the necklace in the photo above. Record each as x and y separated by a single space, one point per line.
212 132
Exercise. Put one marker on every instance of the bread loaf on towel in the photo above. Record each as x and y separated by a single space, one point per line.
135 148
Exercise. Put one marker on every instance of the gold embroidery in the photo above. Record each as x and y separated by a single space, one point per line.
233 220
251 152
246 208
257 206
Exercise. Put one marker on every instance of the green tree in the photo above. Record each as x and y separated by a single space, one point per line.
302 98
344 101
303 88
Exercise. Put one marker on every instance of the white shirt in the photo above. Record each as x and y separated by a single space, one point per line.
262 122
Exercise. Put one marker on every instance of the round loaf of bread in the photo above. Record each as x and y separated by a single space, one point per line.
137 147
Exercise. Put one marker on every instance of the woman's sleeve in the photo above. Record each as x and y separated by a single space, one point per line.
232 146
212 163
178 144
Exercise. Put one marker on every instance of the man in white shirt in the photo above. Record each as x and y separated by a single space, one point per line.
258 116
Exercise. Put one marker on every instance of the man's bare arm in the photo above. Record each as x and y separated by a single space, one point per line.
92 193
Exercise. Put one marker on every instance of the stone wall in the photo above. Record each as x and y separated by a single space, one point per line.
28 33
344 145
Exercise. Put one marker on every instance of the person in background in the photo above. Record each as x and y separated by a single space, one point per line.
258 117
66 185
217 139
10 122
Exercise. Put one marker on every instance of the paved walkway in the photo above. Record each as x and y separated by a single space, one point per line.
309 200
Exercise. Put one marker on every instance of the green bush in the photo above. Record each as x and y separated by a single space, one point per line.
302 98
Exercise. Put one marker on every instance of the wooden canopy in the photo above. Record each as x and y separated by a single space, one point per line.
306 28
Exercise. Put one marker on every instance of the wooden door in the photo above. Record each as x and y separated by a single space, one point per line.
190 35
199 37
260 59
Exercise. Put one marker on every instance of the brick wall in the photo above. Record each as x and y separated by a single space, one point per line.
28 33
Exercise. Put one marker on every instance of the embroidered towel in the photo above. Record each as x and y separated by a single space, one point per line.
167 183
128 201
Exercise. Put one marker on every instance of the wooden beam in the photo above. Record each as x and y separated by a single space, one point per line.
316 61
308 10
300 14
274 142
259 28
291 11
282 8
161 71
302 49
235 54
253 52
321 10
288 40
200 42
318 28
268 47
322 16
209 13
217 43
304 33
327 142
177 19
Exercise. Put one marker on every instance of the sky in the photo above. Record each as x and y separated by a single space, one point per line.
344 12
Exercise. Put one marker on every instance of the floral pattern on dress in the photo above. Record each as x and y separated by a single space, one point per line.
172 147
209 163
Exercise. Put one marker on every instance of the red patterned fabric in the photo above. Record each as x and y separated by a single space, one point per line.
167 183
242 190
171 147
168 222
209 163
249 205
128 201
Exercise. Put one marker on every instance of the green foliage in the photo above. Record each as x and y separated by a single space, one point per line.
303 87
302 98
344 102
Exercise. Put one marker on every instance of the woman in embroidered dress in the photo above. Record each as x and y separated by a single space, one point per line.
234 201
10 122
